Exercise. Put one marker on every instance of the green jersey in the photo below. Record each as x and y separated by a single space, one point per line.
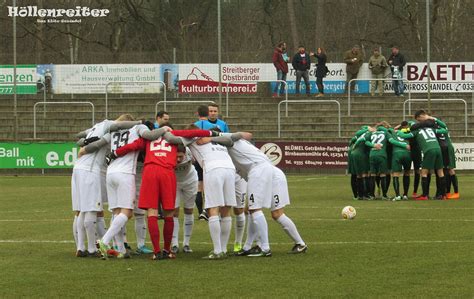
382 137
400 146
425 138
359 145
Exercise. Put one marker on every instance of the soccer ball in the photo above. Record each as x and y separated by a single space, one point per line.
348 212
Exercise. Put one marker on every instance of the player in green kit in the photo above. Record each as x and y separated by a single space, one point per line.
351 165
401 161
432 158
378 143
449 158
416 159
360 163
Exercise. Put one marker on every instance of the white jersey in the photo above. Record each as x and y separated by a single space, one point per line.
245 156
185 171
211 156
95 162
127 163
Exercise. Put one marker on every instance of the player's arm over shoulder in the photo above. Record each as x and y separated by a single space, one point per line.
137 145
95 146
122 125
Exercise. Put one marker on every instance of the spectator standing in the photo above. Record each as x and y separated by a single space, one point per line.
397 62
280 61
321 69
302 63
377 65
354 60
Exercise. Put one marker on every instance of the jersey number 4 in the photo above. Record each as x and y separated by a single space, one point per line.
160 145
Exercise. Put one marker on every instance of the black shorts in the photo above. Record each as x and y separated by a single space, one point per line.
199 170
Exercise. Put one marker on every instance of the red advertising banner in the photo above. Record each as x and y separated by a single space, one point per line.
204 78
212 87
321 155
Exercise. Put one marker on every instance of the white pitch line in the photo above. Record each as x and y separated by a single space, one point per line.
381 208
391 219
274 243
34 220
299 219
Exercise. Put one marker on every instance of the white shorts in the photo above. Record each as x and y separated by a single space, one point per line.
86 191
280 197
75 187
240 191
121 190
186 194
219 187
103 188
260 186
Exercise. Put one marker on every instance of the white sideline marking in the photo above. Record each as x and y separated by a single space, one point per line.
382 208
34 220
390 219
299 219
276 243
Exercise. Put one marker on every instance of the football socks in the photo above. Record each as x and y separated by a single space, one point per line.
188 228
290 228
168 233
101 229
239 227
262 229
154 232
81 232
215 231
174 240
226 227
90 222
119 221
140 230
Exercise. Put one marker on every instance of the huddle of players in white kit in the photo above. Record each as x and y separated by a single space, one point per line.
234 171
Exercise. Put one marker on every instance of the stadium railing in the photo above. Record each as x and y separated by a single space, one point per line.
409 101
369 79
59 103
312 102
255 81
130 83
177 102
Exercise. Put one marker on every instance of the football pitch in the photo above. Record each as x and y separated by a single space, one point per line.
391 249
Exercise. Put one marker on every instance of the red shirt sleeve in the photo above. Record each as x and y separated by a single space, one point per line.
137 145
191 133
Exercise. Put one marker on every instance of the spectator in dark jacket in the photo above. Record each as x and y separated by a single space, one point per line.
302 63
280 61
396 61
321 69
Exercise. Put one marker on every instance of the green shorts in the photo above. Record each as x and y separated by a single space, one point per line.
359 163
452 157
401 160
432 159
378 164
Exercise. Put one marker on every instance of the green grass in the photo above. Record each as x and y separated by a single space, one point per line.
391 249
